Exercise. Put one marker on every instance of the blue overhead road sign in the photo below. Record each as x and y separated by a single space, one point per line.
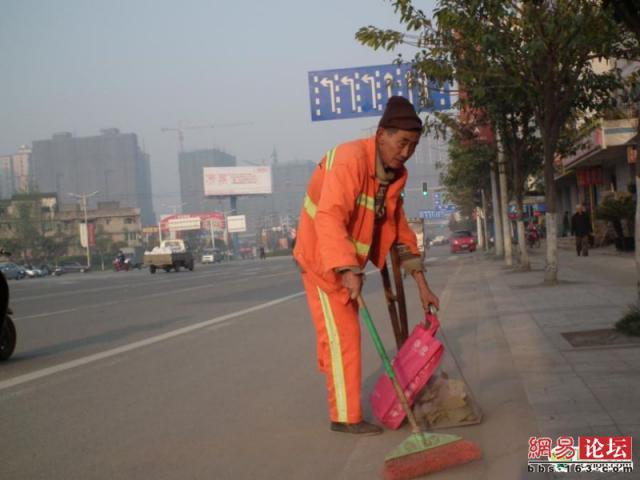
364 91
432 214
438 205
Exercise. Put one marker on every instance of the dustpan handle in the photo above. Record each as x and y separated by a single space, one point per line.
364 312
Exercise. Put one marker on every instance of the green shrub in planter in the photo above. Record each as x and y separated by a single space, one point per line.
617 208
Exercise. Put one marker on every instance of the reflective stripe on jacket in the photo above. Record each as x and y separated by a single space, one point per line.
336 227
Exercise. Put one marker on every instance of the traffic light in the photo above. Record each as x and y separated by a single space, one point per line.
425 190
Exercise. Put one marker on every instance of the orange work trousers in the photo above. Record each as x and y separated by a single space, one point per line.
335 317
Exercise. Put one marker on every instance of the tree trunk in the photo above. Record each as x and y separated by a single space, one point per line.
504 201
551 266
525 264
497 215
637 224
637 232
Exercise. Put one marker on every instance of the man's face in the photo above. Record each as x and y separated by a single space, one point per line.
579 208
397 147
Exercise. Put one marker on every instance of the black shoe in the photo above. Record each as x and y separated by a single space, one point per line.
362 428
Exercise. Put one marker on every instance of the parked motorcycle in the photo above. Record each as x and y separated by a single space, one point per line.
8 334
121 266
533 238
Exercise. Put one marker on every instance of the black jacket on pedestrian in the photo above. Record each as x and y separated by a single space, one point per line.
580 224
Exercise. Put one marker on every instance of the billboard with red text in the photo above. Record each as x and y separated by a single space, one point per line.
225 181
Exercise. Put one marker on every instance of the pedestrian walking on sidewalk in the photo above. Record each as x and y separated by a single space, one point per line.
353 213
581 228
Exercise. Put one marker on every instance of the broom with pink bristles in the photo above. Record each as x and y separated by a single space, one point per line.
422 453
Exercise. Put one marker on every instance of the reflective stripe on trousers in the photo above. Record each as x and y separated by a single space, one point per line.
338 349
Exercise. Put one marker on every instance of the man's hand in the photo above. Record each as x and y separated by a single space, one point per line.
427 297
352 282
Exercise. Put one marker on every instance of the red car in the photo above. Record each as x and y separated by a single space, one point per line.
462 241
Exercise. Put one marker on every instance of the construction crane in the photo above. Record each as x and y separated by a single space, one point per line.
180 129
249 162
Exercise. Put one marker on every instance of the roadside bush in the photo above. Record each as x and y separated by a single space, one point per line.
620 210
279 253
630 323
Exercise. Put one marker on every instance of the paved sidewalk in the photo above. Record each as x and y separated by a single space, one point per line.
572 391
502 330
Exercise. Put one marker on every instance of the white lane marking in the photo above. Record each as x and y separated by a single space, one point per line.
45 372
150 295
112 287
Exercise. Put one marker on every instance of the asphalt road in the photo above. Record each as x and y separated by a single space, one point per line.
207 374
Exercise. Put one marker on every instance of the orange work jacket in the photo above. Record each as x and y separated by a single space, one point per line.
337 219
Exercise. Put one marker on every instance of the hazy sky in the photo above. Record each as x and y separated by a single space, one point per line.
140 65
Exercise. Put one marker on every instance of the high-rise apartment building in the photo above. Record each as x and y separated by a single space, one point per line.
14 173
111 163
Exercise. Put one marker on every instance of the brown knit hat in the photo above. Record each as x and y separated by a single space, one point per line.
399 113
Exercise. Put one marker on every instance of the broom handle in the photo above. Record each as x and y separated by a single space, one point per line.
387 364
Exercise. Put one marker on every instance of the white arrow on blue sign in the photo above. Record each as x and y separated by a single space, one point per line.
364 91
432 214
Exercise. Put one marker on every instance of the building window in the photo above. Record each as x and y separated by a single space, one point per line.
128 220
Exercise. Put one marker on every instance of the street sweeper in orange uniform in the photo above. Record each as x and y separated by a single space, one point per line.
353 213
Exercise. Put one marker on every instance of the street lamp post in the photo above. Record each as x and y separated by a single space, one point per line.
83 198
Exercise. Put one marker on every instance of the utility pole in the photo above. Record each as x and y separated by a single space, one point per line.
233 202
83 199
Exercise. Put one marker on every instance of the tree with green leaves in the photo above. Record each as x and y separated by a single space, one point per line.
540 53
55 246
466 173
523 147
627 14
27 226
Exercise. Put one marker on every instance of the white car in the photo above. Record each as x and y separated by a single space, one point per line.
33 272
439 240
211 256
